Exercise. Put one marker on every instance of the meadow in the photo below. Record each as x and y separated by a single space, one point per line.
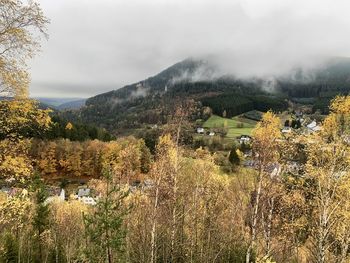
236 126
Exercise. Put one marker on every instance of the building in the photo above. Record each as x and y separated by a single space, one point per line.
87 200
313 127
200 130
83 192
84 195
55 195
244 139
287 130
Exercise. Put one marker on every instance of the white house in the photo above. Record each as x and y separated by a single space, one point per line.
244 139
211 133
200 130
88 200
286 130
59 198
313 127
83 192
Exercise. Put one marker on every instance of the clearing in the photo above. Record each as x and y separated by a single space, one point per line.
236 126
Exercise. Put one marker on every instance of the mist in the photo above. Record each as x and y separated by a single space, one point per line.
100 45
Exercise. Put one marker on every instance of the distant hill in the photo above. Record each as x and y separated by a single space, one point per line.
144 101
72 105
62 103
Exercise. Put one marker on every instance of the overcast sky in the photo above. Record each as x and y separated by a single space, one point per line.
100 45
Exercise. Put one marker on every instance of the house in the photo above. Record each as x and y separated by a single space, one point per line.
84 195
298 114
87 200
287 130
59 196
211 133
55 195
83 191
62 195
200 130
274 170
313 127
244 139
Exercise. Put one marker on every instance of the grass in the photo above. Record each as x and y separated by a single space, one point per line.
231 124
234 132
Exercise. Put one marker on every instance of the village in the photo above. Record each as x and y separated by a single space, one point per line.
294 122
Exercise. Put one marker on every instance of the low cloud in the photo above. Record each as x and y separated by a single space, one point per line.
103 43
140 91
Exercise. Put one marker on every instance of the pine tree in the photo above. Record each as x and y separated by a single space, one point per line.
41 216
233 157
104 228
10 249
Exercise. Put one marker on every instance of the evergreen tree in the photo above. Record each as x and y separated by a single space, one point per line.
10 249
104 227
233 157
41 216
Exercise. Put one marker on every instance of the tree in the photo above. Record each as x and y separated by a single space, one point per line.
47 158
146 157
69 126
328 167
15 213
234 157
163 173
21 27
104 228
41 216
265 152
10 253
67 226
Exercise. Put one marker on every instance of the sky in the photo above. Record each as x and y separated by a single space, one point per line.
95 46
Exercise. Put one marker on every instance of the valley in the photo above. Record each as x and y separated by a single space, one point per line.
239 153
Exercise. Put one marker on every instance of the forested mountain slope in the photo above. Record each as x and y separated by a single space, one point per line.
147 100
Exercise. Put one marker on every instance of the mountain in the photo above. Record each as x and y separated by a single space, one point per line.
148 101
62 103
72 105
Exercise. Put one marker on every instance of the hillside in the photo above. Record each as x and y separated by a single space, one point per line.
62 103
147 101
72 105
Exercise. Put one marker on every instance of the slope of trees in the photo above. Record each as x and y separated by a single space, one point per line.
67 158
22 25
188 210
234 104
74 131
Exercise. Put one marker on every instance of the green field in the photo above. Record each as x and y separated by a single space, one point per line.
231 124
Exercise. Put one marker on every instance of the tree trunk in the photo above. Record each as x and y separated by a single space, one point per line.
154 224
174 212
254 218
268 227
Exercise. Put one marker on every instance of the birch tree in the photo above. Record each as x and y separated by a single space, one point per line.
265 153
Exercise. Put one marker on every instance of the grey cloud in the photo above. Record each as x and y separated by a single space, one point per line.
100 45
